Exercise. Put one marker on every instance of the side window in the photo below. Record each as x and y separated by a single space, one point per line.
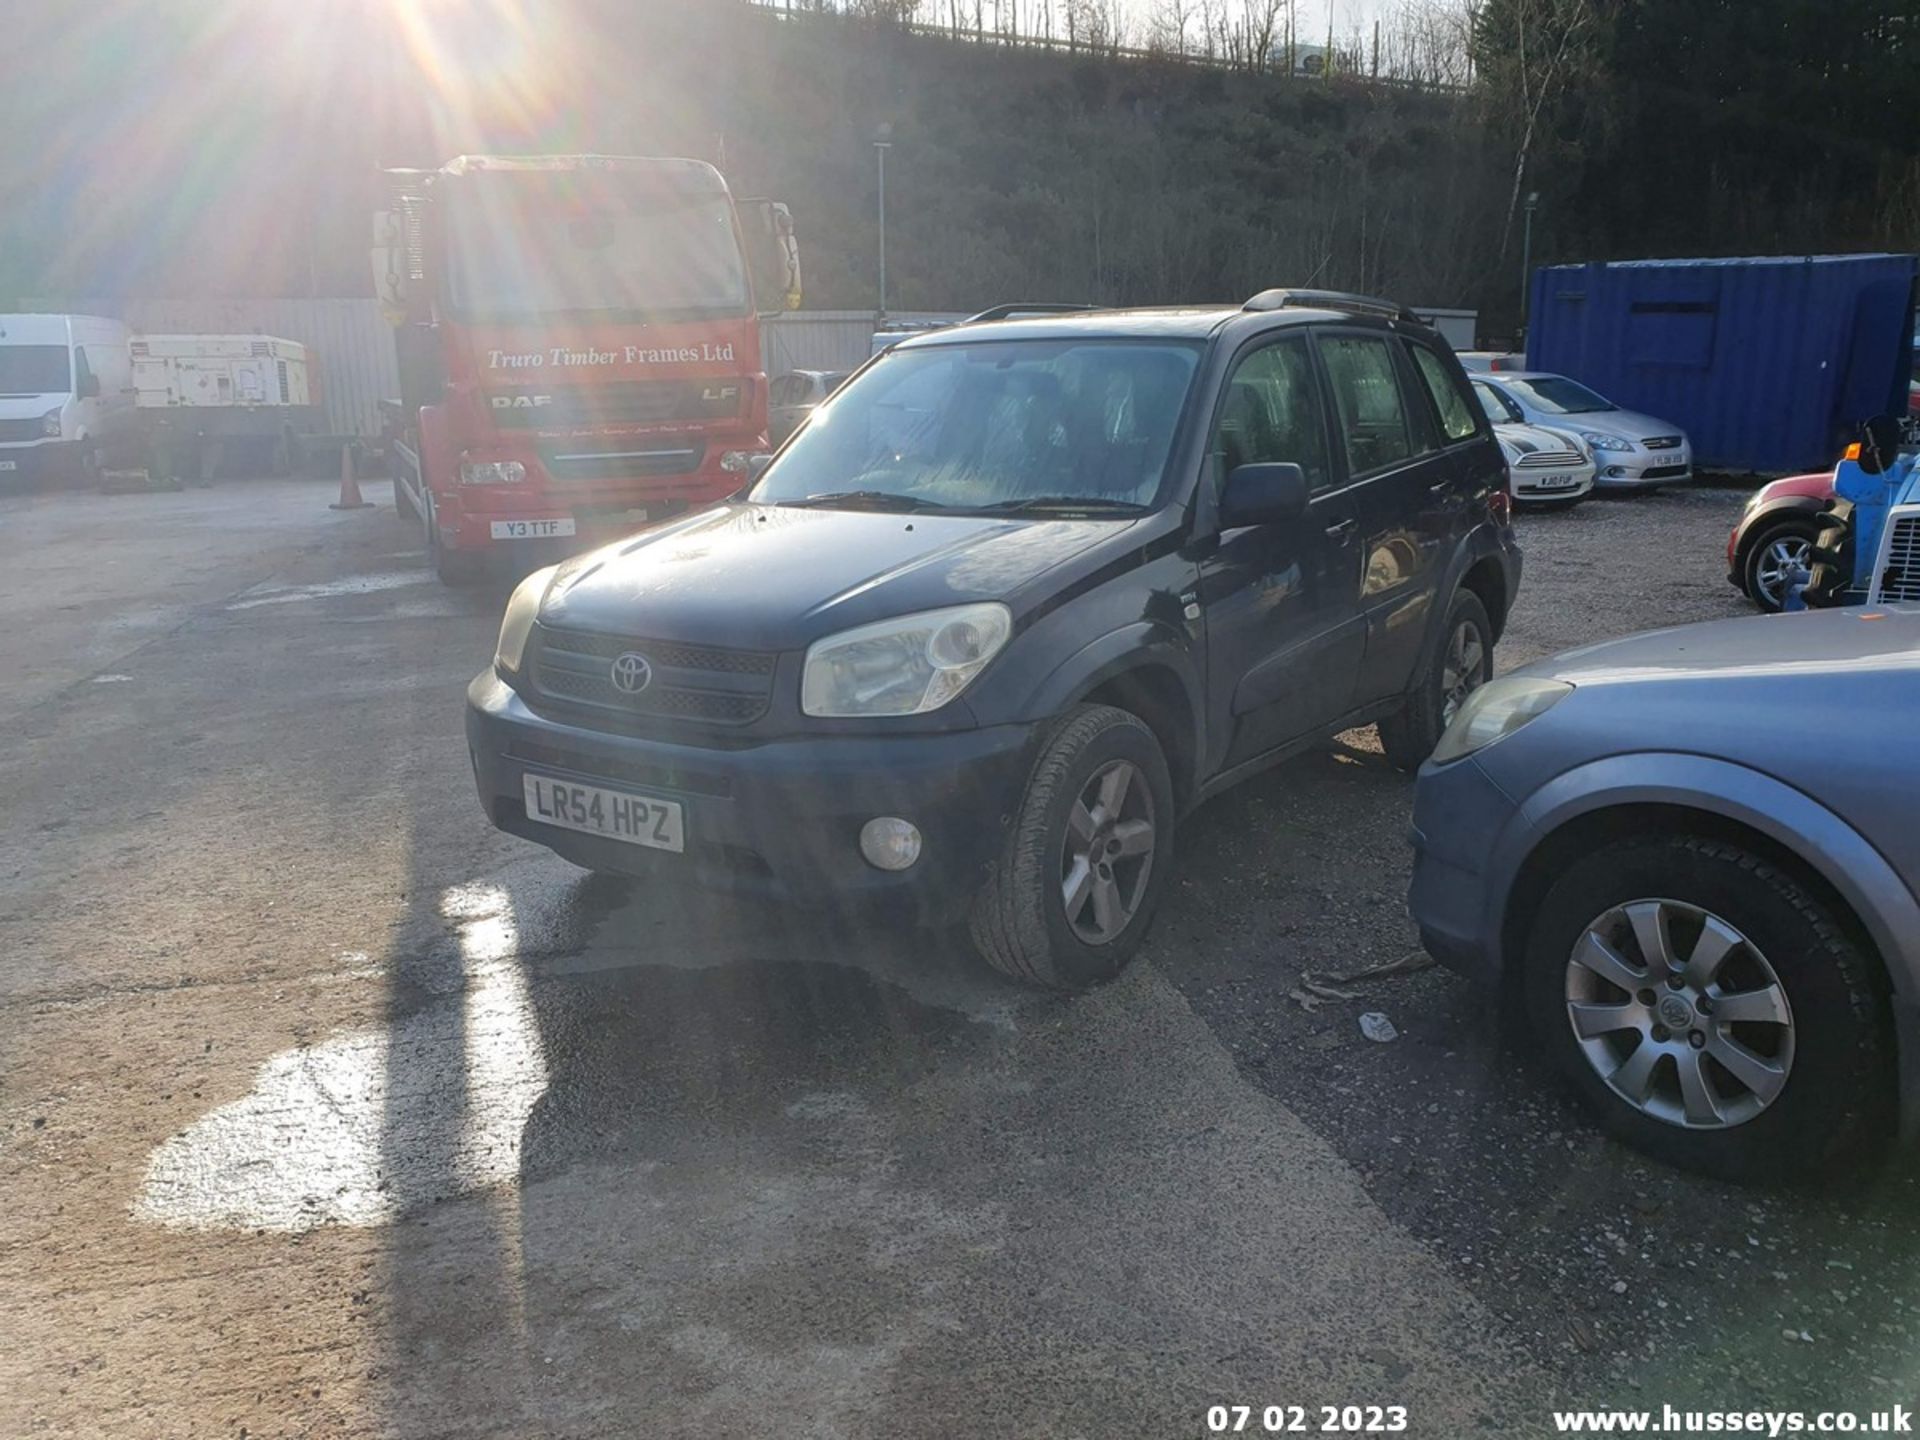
1457 420
1272 412
1373 413
1500 410
786 390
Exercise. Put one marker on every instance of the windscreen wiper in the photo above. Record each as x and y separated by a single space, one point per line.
864 500
1060 504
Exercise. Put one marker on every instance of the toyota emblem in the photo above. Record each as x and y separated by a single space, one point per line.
632 673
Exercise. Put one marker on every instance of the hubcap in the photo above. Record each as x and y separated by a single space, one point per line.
1108 853
1777 559
1463 670
1680 1014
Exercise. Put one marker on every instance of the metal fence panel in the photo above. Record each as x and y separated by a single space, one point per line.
829 339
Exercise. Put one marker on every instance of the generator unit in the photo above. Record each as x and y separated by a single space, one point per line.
225 403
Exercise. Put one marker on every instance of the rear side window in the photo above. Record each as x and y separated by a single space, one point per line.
1373 414
1456 411
1272 413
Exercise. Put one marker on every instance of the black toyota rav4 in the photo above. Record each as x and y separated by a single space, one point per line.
1013 601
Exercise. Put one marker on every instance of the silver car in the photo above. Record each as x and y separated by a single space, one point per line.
792 397
1632 451
1688 862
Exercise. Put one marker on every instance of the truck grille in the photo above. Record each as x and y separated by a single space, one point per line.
20 429
629 402
1899 579
587 460
574 669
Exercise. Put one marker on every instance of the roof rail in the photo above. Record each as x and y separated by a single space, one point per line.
1330 300
1025 312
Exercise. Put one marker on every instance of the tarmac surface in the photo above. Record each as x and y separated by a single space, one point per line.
327 1110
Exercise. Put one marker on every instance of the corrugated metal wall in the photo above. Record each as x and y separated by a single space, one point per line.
829 339
351 342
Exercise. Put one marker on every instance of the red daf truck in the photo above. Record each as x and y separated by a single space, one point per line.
579 347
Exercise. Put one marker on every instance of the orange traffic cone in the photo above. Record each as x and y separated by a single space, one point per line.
349 486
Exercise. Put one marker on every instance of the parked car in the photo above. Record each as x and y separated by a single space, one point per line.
1690 860
1020 595
1478 362
66 396
1632 451
792 396
1544 467
1774 535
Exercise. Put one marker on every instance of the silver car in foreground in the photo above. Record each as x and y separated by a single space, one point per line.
1689 860
1632 451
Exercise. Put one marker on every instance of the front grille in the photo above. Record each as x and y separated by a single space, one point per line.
1550 460
1900 580
1664 442
1664 472
572 460
703 684
629 402
20 429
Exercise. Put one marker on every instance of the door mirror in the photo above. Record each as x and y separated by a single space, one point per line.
773 254
89 387
757 465
1265 494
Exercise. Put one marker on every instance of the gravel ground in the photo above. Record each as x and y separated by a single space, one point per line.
1628 1278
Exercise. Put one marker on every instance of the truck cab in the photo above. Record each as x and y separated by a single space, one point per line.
578 347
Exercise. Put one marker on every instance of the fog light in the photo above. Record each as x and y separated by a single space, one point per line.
1614 472
890 843
736 462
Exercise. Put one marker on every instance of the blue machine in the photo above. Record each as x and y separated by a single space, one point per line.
1871 478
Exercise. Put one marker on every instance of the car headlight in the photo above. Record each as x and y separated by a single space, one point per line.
517 624
1600 441
492 472
50 423
905 666
1495 711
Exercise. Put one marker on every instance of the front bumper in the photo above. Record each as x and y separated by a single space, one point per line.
1531 485
33 460
781 819
1458 814
1631 470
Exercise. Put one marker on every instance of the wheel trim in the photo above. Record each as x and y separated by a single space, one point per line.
1463 670
1774 560
1679 1014
1106 857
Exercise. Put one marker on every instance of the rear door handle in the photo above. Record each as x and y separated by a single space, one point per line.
1440 490
1340 529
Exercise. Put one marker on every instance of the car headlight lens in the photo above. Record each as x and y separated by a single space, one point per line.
493 472
517 624
1600 441
50 423
905 666
1495 711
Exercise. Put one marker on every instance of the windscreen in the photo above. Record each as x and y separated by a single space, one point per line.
34 370
521 246
973 426
1560 396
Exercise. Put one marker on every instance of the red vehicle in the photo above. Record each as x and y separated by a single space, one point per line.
1775 533
579 347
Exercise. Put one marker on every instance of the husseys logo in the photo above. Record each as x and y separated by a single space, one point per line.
520 402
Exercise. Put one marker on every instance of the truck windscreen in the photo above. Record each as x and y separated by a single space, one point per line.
656 255
34 370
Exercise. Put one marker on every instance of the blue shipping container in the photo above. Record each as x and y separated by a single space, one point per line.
1769 364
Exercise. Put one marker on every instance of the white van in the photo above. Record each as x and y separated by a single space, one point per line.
66 395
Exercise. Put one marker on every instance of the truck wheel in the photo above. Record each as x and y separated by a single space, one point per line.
1087 858
1461 664
1710 1010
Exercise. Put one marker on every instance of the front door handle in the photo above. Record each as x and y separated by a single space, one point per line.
1340 529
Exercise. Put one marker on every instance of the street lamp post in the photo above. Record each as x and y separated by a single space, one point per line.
883 142
1526 254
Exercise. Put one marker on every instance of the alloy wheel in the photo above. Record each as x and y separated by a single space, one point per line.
1679 1014
1463 670
1107 856
1777 559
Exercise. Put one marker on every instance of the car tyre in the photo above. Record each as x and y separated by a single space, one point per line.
1768 551
1826 1092
1074 844
1461 663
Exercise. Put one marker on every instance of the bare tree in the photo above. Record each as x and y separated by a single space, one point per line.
1542 63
